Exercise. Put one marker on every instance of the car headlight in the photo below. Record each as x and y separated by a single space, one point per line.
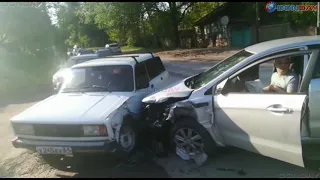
93 130
23 129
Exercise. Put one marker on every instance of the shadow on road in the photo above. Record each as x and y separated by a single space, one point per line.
102 165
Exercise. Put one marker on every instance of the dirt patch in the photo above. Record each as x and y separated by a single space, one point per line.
203 54
27 165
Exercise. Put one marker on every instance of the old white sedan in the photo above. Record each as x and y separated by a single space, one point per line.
96 109
227 105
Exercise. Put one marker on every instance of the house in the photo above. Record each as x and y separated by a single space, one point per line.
240 31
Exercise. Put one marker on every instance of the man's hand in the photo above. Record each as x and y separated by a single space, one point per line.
266 89
276 89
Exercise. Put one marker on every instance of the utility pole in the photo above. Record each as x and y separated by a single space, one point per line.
258 22
318 14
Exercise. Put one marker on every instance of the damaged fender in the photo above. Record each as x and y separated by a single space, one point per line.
117 118
201 112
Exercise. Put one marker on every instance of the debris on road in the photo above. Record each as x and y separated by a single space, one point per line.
183 155
199 158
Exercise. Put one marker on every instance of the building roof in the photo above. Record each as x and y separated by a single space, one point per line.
283 43
127 59
230 9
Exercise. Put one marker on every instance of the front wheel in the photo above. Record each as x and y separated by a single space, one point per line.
192 137
128 139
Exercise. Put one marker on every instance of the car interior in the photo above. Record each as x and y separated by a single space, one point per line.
251 76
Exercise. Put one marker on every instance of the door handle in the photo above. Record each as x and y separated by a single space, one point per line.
161 78
152 85
279 109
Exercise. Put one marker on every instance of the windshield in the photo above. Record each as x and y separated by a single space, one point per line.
205 77
109 78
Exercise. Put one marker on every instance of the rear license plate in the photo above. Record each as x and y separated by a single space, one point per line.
54 150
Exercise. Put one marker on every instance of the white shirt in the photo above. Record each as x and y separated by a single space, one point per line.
288 82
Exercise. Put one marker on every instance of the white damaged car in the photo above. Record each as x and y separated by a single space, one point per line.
97 108
233 104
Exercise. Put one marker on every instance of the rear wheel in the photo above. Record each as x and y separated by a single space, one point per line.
192 138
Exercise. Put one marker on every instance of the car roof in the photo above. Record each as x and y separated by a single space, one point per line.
283 43
84 56
126 59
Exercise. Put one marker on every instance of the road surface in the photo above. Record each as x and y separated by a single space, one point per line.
231 163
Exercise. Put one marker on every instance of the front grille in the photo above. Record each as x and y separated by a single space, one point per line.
53 130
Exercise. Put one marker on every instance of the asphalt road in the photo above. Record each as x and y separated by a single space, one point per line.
231 162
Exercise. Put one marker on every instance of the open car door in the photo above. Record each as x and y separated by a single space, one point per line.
264 123
267 124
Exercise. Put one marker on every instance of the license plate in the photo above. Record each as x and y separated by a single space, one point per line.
54 150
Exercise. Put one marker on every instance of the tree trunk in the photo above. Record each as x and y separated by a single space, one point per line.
175 23
152 26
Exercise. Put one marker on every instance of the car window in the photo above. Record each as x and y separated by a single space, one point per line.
114 78
257 77
154 67
205 77
141 76
316 73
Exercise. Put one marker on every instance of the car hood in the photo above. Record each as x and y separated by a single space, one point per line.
176 90
75 108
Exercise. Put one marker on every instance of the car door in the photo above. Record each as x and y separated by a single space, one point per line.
142 86
157 73
267 124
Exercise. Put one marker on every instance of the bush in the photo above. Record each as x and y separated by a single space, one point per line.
23 75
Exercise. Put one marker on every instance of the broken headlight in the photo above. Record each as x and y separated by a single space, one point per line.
23 129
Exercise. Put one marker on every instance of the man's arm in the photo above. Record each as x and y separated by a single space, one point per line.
267 88
276 89
293 85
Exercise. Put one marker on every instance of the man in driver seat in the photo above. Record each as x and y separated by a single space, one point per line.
116 80
283 80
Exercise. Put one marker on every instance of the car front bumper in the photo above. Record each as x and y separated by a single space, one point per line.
77 146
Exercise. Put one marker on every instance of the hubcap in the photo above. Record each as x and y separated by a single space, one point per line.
189 141
127 139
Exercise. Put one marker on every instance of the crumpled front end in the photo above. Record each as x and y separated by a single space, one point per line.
60 137
164 115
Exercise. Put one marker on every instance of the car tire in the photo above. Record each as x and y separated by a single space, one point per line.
128 132
187 123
